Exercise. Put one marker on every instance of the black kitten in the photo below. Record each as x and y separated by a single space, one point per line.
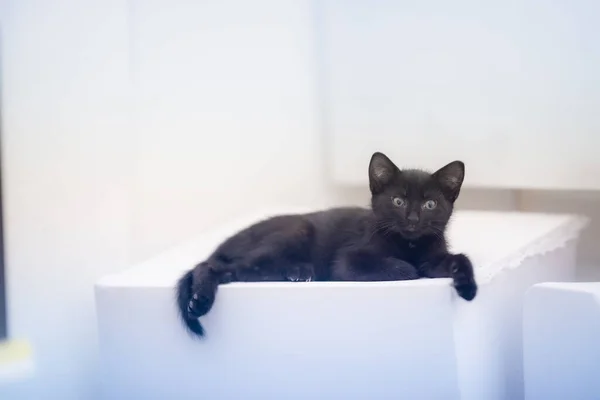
401 237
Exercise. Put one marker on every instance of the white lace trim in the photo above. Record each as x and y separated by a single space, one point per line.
558 238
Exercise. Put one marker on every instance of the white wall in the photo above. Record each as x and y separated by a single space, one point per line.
66 164
221 119
225 111
130 126
491 83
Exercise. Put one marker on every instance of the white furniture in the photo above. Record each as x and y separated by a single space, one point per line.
322 340
561 337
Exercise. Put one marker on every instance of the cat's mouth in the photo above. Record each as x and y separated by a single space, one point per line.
411 232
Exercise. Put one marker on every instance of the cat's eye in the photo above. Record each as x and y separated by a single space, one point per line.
429 204
398 202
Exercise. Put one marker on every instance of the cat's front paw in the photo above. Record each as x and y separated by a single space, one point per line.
300 273
461 271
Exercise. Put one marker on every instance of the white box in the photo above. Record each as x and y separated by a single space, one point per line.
561 337
336 340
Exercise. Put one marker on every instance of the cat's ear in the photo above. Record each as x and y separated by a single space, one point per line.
451 178
381 172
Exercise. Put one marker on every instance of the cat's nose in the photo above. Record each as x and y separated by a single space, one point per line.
413 217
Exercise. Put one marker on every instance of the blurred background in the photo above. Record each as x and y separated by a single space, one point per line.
129 126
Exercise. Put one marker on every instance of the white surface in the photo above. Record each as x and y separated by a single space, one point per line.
487 82
225 114
17 371
66 162
74 210
561 336
335 340
90 185
281 341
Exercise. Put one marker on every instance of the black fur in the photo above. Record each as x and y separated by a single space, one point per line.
401 237
184 295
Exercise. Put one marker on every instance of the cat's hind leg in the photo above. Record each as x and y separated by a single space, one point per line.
196 292
284 254
272 264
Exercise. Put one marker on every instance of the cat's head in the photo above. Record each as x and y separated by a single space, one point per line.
412 202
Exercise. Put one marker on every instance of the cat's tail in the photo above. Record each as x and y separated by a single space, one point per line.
196 291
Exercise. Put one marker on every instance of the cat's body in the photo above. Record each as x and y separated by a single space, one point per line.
401 237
